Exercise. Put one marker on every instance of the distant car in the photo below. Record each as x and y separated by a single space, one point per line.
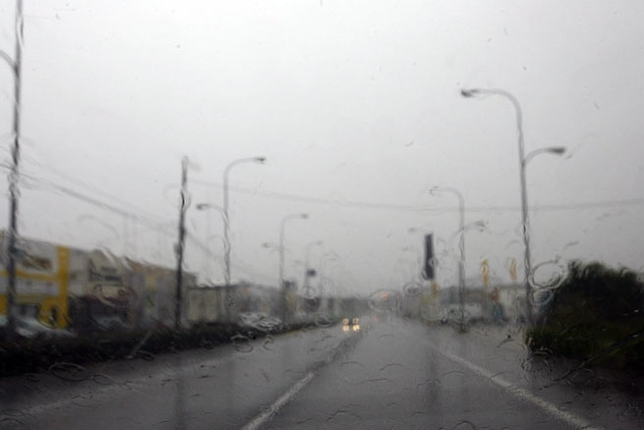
260 321
248 319
351 323
450 315
110 323
31 328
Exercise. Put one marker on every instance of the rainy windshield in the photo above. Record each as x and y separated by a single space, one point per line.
321 214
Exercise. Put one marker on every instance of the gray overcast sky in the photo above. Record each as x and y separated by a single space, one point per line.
350 101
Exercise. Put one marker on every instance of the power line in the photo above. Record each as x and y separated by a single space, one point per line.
162 228
87 186
322 201
411 208
168 227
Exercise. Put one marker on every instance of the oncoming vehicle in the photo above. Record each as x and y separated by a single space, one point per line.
351 324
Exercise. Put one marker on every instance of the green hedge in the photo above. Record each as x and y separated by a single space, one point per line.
39 355
596 315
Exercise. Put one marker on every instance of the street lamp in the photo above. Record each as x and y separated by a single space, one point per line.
308 250
329 257
260 160
479 225
461 244
307 264
411 230
406 267
270 245
523 161
16 68
281 245
282 286
419 257
557 150
204 207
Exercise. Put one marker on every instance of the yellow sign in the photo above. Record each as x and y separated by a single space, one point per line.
435 290
485 273
513 270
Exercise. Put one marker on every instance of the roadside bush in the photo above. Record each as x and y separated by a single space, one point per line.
596 315
39 355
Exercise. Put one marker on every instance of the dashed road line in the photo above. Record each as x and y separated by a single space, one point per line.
284 399
267 415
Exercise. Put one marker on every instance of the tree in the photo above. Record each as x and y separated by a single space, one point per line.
593 292
597 312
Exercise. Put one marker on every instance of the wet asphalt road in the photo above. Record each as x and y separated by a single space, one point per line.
390 374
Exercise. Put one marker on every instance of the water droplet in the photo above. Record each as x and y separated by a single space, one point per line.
12 422
311 304
323 320
413 289
206 344
102 379
268 341
241 343
544 279
265 408
384 301
68 371
548 274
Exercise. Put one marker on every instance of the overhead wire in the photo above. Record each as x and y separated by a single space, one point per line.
155 225
167 228
164 227
415 208
336 202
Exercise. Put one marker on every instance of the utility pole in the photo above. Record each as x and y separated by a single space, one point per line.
16 66
180 245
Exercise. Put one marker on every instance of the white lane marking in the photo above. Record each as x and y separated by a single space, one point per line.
267 415
547 407
288 396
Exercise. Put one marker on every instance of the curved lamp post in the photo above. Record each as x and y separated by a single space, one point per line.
207 206
282 286
523 161
281 245
307 263
461 244
260 160
329 257
419 258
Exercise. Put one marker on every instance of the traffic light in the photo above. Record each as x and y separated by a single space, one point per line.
428 267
